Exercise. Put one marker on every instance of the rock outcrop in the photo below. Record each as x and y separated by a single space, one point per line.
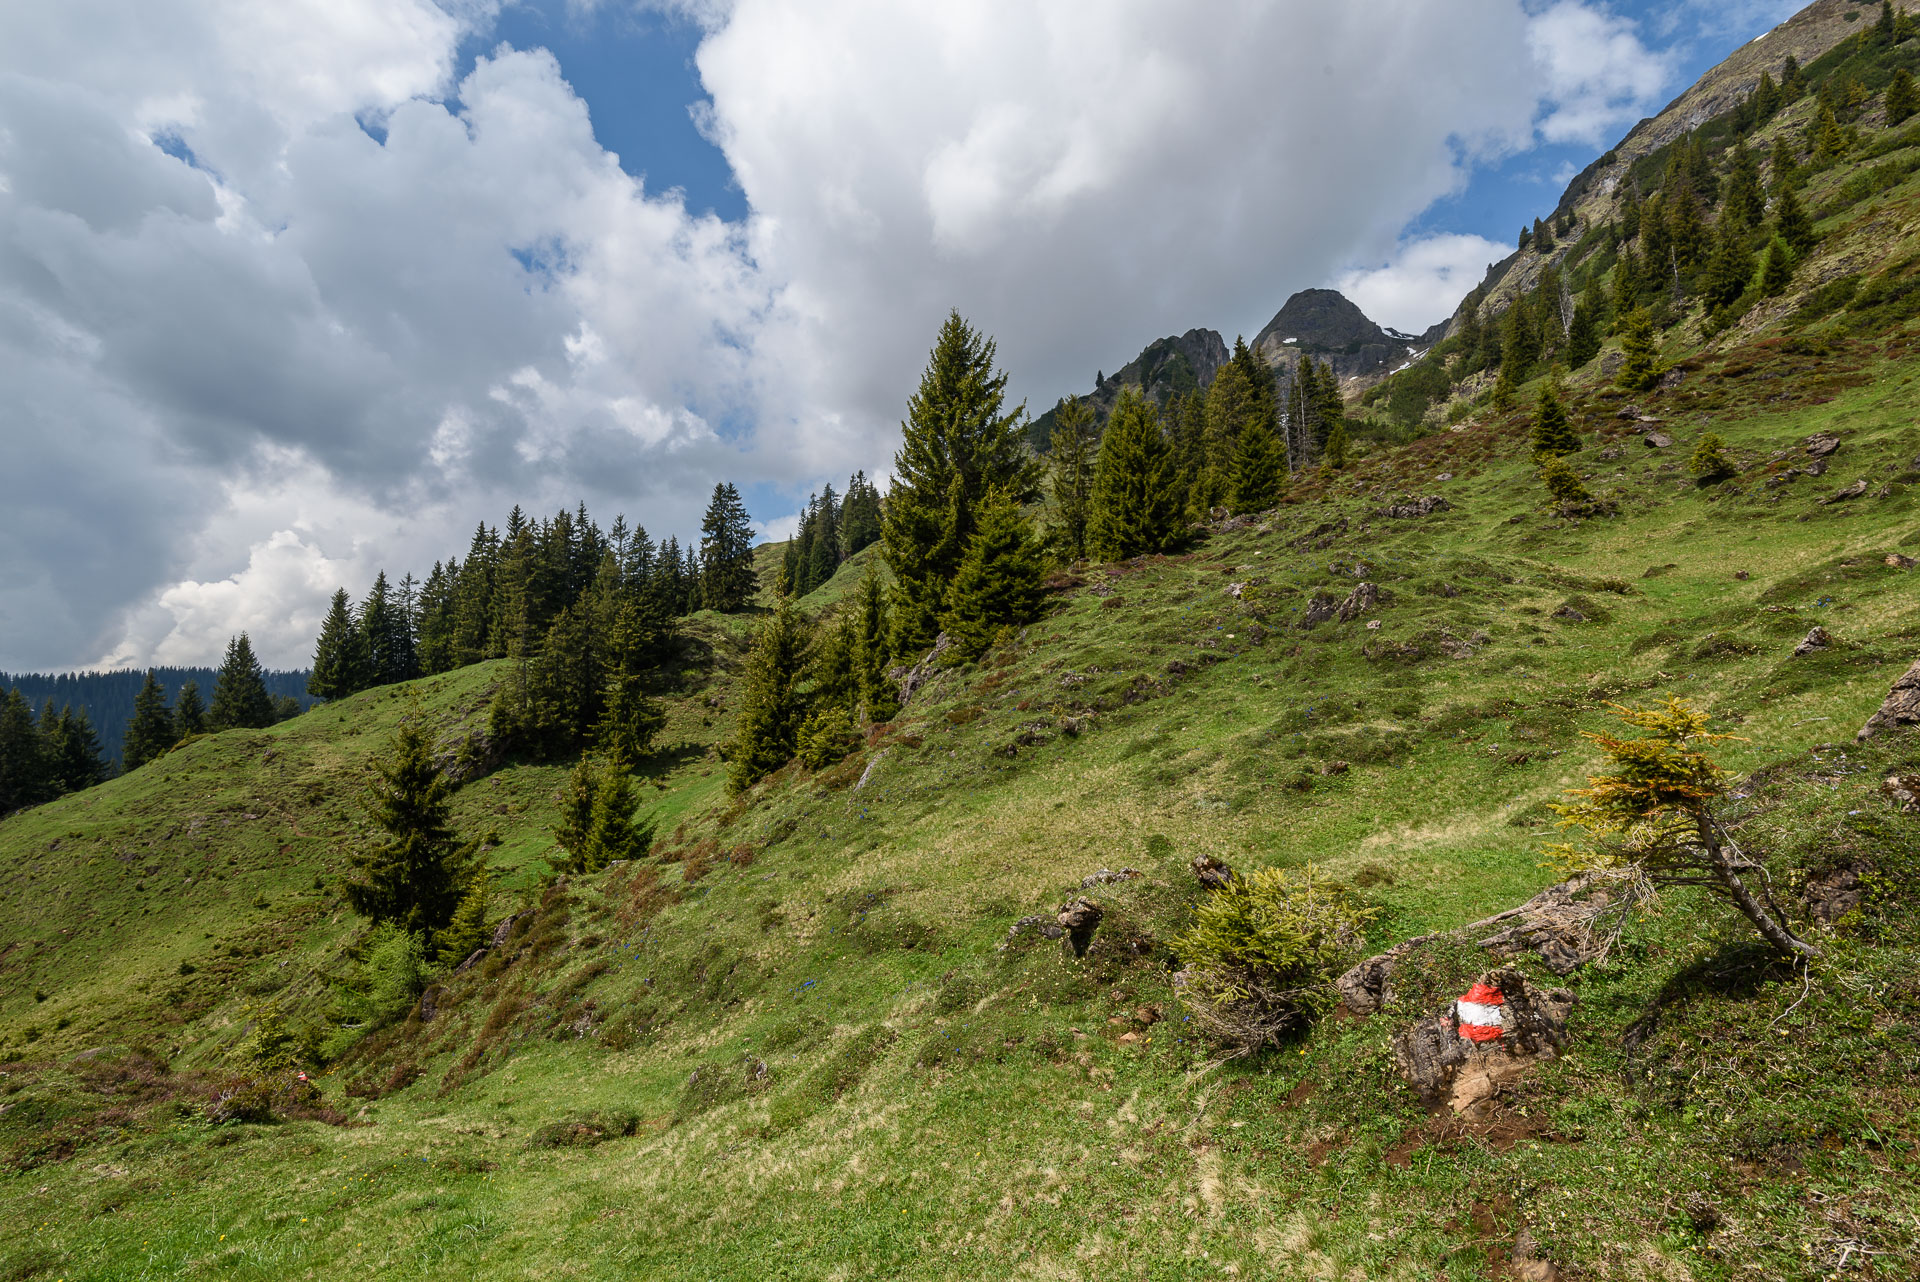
1901 710
1463 1057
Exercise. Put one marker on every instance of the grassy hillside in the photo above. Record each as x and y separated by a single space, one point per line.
790 1043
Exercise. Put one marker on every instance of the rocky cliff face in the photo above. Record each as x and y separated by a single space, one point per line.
1326 325
1185 363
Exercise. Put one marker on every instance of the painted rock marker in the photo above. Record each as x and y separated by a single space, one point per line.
1479 1013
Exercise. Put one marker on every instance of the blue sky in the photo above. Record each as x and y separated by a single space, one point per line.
294 292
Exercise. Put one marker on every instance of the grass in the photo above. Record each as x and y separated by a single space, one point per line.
790 1044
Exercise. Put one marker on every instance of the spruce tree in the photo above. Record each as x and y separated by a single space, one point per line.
1793 81
1072 460
240 699
1783 173
416 875
596 826
1333 455
860 515
999 582
823 558
338 656
878 698
1776 273
1641 369
1564 483
1552 434
1886 32
1730 269
1259 470
1901 102
467 932
1583 336
151 730
72 751
1825 137
1744 204
957 445
726 552
1136 506
23 766
1519 340
1791 224
190 711
386 636
772 706
1710 461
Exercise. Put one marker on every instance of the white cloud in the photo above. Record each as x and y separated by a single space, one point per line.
1600 76
1424 282
222 300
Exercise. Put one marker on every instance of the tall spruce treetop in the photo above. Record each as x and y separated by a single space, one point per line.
339 666
1000 580
726 552
1072 456
860 514
190 711
151 730
956 447
240 698
1136 495
416 875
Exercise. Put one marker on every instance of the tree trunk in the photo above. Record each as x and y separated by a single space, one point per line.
1774 932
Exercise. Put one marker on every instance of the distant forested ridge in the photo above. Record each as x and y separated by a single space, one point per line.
107 697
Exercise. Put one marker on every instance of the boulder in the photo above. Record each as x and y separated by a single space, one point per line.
1821 444
1419 507
1358 602
1211 873
1570 614
1499 1028
1079 918
1656 440
1902 708
1817 638
1319 610
910 679
1846 492
1107 877
1043 924
1904 792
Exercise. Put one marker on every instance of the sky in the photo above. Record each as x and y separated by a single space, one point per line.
292 293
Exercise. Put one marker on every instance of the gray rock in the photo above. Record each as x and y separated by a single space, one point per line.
1656 440
911 679
1211 873
1902 708
1079 918
1904 792
1419 507
1363 598
1444 1067
1841 495
1319 610
1107 877
1043 924
1817 638
1821 444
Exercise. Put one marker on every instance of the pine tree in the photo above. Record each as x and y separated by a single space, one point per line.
240 699
1825 138
878 698
1136 505
1791 224
72 751
190 711
1793 81
1519 340
597 824
999 582
416 876
726 552
1710 461
1783 174
471 636
1765 99
860 515
1552 434
338 656
23 766
1333 454
387 636
1259 470
1072 458
1641 370
1776 273
957 445
1506 388
1730 269
772 706
151 730
1745 205
1564 483
1901 102
823 558
1583 336
467 932
1886 32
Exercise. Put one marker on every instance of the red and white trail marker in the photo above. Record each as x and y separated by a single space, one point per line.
1480 1013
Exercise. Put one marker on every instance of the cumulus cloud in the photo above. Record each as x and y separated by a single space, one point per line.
1424 282
1600 75
280 302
